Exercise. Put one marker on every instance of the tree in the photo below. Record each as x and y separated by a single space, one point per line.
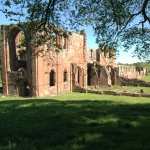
110 19
138 39
39 21
117 22
45 12
37 16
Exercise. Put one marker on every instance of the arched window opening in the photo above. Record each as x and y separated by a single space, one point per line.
61 41
17 48
20 46
52 78
65 76
65 42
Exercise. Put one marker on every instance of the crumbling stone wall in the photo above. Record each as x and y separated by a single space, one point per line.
102 69
44 70
131 72
70 61
50 72
15 75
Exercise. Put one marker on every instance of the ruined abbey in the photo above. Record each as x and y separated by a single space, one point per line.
45 71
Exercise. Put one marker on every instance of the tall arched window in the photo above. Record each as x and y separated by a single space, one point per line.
52 78
65 43
65 76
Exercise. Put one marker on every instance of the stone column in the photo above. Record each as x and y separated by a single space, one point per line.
4 61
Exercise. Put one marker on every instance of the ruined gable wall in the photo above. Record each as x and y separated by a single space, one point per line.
75 53
106 60
106 68
44 60
103 60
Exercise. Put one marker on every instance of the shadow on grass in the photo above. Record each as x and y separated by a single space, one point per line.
73 125
1 89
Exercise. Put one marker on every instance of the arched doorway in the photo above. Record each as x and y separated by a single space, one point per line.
77 76
52 78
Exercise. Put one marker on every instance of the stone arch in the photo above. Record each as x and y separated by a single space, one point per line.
77 76
12 35
52 78
19 80
65 75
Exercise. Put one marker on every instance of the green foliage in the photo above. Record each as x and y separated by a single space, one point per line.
40 19
139 40
115 22
38 13
143 64
0 79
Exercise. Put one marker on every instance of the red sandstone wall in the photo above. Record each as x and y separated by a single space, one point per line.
104 60
98 57
59 62
130 72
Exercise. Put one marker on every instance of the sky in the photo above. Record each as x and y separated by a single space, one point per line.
123 57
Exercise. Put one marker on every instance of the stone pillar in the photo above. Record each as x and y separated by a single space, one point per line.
4 61
35 74
85 77
85 60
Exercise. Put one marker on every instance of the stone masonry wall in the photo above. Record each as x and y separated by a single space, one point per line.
131 72
106 74
60 62
71 61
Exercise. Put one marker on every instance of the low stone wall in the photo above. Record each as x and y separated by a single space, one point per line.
133 82
131 71
112 93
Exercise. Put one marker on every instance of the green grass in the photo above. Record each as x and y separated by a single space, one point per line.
147 78
75 122
0 79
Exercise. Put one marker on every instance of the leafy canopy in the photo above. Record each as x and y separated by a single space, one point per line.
115 22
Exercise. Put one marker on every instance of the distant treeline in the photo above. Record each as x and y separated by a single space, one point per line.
143 64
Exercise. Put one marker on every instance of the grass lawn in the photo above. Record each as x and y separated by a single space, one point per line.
0 79
75 122
147 78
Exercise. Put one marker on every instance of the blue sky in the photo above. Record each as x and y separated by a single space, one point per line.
124 57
